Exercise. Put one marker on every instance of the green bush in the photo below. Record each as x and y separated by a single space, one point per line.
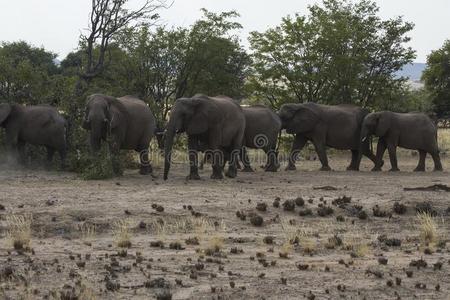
97 166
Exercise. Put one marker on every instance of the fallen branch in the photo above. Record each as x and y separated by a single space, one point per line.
326 188
431 188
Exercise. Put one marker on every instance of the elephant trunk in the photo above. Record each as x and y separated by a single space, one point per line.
168 144
364 134
96 136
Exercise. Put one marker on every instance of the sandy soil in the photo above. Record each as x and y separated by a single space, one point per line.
75 223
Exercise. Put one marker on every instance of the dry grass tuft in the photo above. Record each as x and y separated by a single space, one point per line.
294 234
188 224
357 246
428 229
286 249
86 292
19 231
309 245
215 245
122 233
88 231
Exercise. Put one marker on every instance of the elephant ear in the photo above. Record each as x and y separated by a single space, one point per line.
383 124
5 110
305 119
117 113
204 114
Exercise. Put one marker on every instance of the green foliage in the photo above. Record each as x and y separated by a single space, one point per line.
437 79
26 73
166 64
342 52
102 165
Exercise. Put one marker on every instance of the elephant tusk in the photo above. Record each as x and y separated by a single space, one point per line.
364 139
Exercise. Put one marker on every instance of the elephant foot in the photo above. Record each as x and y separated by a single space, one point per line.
271 169
216 176
376 169
438 169
291 168
419 169
193 176
394 170
247 169
325 168
145 170
352 168
231 173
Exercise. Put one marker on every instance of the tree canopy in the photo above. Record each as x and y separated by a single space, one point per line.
437 79
342 52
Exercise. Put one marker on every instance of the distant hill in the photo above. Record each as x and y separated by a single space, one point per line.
412 71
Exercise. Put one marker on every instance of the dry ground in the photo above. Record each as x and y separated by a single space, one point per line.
77 226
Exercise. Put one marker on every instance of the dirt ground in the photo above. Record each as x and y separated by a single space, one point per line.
77 226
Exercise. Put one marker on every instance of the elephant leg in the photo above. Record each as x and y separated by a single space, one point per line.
50 153
365 150
381 148
21 153
421 165
62 156
245 160
436 160
145 166
115 158
354 164
14 147
392 149
232 165
297 146
272 160
202 162
234 154
321 152
218 162
193 158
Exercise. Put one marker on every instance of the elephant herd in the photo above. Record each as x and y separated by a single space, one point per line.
222 129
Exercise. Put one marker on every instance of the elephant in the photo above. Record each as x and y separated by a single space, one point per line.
262 127
39 125
261 132
336 126
215 124
126 123
408 130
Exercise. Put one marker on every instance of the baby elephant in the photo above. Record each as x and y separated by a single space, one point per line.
36 125
408 130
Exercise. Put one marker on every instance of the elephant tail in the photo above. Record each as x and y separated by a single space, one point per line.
278 142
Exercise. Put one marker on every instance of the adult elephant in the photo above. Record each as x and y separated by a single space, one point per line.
216 124
40 125
408 130
337 126
262 127
126 123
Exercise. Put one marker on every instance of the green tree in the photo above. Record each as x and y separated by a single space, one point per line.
437 79
342 52
169 63
26 73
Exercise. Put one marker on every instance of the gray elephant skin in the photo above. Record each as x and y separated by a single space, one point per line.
215 124
336 126
40 125
126 123
414 131
262 127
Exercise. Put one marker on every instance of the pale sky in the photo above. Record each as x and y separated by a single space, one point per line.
56 24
